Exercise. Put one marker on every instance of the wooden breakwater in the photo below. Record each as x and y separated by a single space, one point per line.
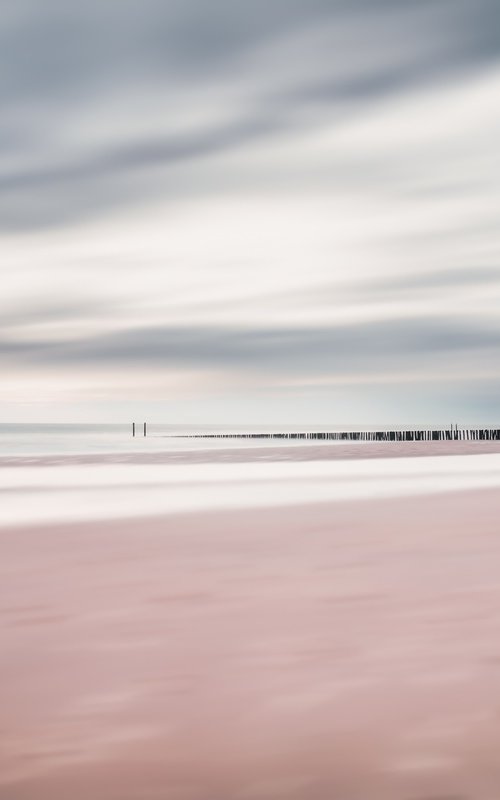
426 435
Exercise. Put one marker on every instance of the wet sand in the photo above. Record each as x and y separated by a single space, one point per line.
345 651
268 452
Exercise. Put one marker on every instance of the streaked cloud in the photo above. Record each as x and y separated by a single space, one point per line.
108 98
364 348
304 190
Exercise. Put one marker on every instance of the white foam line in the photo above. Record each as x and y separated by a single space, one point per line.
33 495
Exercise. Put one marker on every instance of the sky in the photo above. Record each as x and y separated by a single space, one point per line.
283 212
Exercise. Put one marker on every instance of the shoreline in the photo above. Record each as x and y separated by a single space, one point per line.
293 452
55 493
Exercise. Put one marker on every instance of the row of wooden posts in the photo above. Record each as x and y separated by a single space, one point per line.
454 433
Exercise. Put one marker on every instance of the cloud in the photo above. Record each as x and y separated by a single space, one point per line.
299 191
93 95
365 293
347 349
431 280
37 313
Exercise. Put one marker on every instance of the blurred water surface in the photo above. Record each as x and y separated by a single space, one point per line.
18 439
78 438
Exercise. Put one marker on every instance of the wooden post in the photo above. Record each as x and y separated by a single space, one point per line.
133 429
144 429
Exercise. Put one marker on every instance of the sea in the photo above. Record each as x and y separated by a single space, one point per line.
32 439
54 474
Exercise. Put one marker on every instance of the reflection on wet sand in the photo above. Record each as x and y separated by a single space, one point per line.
342 650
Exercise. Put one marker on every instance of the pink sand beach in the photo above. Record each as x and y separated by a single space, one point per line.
314 648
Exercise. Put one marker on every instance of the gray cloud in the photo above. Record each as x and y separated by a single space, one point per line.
61 64
436 279
394 287
364 348
429 282
150 153
40 313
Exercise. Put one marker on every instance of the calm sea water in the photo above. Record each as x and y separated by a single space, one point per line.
42 491
76 438
72 438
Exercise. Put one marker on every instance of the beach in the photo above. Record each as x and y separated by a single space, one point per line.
256 627
249 400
